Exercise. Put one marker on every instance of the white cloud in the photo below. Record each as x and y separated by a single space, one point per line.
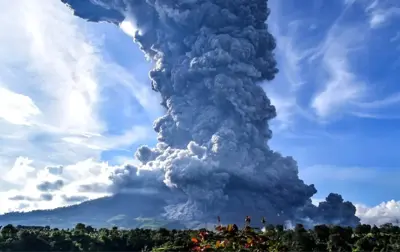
379 108
21 171
53 74
372 5
396 37
381 15
341 85
386 212
391 100
16 108
99 142
128 27
381 12
87 172
316 201
376 116
49 85
349 2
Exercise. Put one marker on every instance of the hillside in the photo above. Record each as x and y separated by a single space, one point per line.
124 210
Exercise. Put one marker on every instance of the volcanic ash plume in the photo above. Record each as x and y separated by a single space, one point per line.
210 56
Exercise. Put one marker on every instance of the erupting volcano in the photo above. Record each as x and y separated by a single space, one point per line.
212 157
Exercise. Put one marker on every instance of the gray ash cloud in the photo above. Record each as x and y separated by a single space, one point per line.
210 57
49 186
42 197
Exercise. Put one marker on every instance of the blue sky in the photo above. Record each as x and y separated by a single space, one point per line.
339 89
77 94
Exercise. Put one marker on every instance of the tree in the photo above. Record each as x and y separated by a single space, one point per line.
304 241
362 229
375 230
365 243
322 232
80 227
8 231
337 243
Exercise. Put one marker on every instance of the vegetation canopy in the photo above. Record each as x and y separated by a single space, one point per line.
223 238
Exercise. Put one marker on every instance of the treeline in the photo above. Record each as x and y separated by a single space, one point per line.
224 238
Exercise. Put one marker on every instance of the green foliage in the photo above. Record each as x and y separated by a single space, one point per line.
223 238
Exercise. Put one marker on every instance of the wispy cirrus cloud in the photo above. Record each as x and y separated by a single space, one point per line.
381 12
321 78
285 89
340 86
388 101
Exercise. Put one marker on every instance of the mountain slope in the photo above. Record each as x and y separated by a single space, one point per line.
120 209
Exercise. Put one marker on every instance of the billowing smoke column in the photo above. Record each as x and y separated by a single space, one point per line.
210 56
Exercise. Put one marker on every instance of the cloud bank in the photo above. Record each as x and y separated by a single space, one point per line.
386 212
56 186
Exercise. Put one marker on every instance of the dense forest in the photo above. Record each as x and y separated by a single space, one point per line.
223 238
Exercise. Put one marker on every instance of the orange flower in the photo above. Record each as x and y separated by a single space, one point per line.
195 240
